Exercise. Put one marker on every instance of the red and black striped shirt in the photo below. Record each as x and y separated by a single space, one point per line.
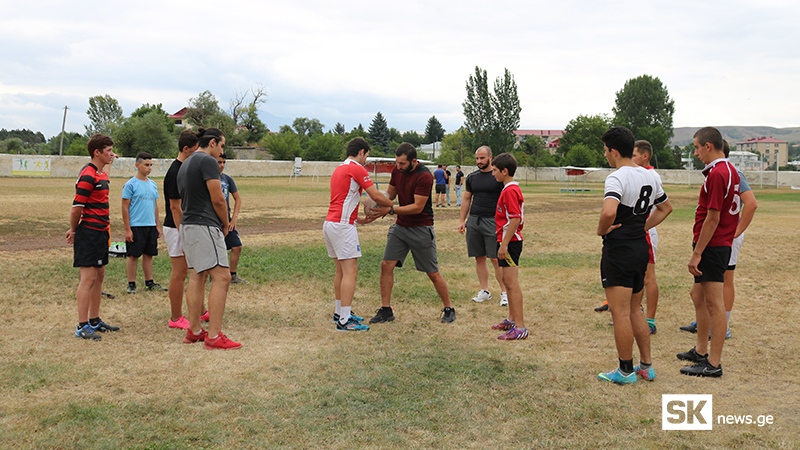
91 193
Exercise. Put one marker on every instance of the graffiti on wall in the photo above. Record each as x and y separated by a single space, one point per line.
30 166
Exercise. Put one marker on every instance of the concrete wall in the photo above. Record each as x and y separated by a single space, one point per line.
70 166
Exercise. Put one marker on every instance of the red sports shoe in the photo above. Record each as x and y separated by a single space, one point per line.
221 342
204 317
191 338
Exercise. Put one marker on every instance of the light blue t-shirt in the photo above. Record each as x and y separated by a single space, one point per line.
143 195
743 186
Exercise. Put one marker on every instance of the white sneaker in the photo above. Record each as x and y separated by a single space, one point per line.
482 296
503 299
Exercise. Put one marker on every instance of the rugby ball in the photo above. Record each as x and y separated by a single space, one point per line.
370 204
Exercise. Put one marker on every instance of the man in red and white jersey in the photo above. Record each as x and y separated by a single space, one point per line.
716 219
339 230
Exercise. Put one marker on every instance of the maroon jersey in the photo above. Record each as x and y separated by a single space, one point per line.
91 192
720 191
418 182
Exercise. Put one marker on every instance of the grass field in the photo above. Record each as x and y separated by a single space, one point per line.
413 383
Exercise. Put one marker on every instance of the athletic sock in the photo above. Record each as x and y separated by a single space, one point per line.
233 274
82 324
728 316
344 315
651 322
198 333
132 284
338 305
94 322
626 366
643 366
149 282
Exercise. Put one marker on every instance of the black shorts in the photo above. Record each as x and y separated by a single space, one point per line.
514 250
441 188
145 241
90 248
713 264
624 263
232 240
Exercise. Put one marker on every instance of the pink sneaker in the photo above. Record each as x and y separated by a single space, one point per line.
221 342
505 325
191 338
182 323
204 317
514 334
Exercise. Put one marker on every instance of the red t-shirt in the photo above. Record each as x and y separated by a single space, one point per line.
720 191
347 182
91 192
510 205
418 182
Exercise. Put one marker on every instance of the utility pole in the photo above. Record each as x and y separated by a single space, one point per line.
63 124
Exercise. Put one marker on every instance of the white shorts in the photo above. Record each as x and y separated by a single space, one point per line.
735 246
653 239
205 247
341 239
173 239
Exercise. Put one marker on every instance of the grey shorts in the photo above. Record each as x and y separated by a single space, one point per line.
420 240
204 247
481 237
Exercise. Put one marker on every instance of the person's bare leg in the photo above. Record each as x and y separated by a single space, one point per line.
130 267
86 280
147 266
651 286
511 279
349 270
236 252
387 282
176 286
619 303
217 296
195 292
639 327
719 324
498 274
483 272
441 288
702 317
97 293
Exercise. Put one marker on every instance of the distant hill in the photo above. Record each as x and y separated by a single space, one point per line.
683 135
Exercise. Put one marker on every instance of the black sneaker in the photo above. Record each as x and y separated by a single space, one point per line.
384 314
702 369
155 287
103 327
448 315
692 355
691 328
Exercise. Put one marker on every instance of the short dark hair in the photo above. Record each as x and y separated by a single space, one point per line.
709 134
458 167
505 161
223 156
188 138
406 149
98 142
619 139
439 166
643 147
355 146
142 156
726 148
206 135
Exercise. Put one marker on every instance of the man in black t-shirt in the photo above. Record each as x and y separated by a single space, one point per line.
459 184
480 201
447 175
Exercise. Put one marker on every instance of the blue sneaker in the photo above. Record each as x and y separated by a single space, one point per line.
648 374
352 316
351 325
615 376
728 334
87 333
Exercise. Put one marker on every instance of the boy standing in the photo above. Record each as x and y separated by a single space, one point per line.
140 217
630 193
642 152
509 218
232 241
716 219
187 144
88 232
340 233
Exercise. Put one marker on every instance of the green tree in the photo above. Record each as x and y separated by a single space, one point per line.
645 107
455 149
412 137
13 146
77 147
283 146
339 129
582 156
203 109
395 136
325 147
55 141
379 132
254 128
308 127
146 108
585 131
491 118
145 133
434 132
105 115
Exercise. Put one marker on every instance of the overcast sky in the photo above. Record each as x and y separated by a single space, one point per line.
724 63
